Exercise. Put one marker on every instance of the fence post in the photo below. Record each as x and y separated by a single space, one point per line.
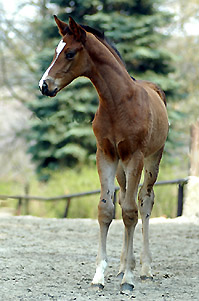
180 199
19 206
26 189
67 208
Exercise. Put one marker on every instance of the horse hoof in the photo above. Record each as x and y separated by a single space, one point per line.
144 277
126 287
97 287
120 275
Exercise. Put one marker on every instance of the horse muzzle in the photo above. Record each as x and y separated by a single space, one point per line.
47 88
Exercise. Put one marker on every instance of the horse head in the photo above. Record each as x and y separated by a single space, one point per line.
70 59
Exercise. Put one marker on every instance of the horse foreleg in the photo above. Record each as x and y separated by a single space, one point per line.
133 171
146 201
121 178
107 171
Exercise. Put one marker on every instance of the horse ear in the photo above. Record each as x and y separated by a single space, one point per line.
78 32
61 25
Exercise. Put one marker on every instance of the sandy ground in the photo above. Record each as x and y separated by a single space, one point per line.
51 259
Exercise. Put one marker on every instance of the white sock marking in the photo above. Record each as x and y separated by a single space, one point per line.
99 274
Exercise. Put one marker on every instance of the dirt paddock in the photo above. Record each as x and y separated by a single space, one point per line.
54 259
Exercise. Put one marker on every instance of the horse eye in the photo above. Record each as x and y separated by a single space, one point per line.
70 55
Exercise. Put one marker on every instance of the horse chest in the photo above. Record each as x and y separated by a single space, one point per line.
115 145
118 136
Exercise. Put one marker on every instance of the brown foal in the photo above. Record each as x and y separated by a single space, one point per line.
130 126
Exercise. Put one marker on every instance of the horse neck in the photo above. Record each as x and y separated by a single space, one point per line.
107 73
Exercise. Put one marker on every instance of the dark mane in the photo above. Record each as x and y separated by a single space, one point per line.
101 36
94 31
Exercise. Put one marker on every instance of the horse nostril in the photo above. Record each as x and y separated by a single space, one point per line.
44 88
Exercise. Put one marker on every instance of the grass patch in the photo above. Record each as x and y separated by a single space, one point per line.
83 179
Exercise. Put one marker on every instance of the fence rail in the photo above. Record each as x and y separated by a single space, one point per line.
24 199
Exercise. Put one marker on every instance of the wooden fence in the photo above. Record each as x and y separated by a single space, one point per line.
23 200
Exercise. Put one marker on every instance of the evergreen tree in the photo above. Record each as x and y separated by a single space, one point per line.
62 135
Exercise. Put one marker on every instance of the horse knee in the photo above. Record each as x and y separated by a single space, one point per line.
130 216
105 211
146 201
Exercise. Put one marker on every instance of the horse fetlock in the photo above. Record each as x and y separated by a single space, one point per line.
145 260
98 278
146 272
128 279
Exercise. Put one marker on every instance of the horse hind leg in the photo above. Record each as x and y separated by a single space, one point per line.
145 205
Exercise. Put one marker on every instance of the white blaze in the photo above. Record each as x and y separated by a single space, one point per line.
59 49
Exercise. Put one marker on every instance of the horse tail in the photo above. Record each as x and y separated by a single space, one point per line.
160 93
155 88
